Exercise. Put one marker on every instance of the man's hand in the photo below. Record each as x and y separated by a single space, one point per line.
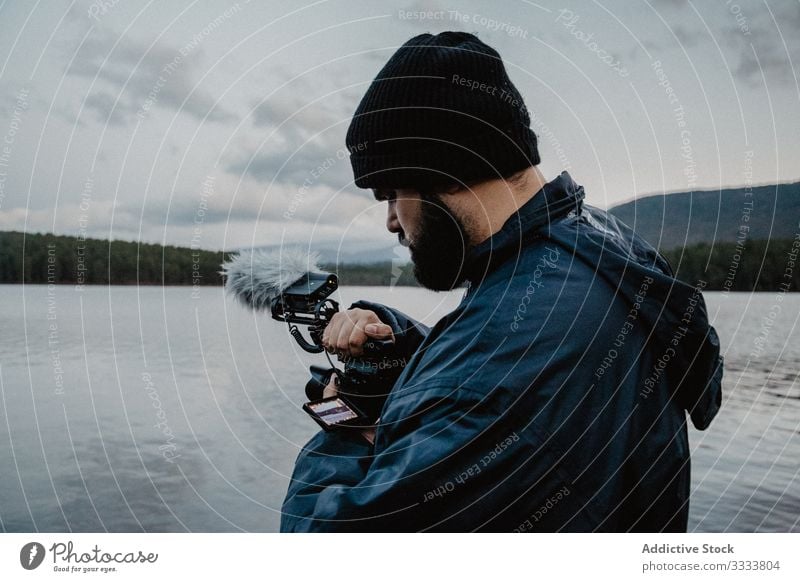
349 330
345 336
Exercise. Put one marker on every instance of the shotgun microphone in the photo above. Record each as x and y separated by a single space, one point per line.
290 284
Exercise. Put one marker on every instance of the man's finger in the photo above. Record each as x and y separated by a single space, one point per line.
332 389
379 331
331 333
357 340
343 340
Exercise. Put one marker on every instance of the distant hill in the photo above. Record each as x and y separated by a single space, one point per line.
379 254
675 220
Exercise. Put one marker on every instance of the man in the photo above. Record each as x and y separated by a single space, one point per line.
555 397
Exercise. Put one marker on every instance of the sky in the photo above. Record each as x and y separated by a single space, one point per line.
221 125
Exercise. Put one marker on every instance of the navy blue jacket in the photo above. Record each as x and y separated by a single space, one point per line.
553 398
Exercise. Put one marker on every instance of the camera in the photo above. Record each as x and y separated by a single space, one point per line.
365 382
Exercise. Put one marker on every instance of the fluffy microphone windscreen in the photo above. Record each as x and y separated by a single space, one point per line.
256 277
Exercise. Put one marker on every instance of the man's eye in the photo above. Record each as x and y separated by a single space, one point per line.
388 195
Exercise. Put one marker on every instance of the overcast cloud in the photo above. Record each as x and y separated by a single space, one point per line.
155 122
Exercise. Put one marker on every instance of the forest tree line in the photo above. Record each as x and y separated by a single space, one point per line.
51 258
754 265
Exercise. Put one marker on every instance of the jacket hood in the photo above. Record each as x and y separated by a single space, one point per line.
687 345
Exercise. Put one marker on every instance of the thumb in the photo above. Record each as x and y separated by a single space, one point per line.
332 389
378 330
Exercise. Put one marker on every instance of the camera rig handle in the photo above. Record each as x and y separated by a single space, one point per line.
317 318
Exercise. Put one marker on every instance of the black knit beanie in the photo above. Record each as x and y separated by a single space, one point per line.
442 111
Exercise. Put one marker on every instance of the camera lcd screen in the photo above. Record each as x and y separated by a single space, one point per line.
333 411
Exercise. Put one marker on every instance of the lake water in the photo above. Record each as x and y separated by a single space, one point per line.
148 409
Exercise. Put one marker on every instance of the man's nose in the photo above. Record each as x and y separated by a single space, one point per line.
392 224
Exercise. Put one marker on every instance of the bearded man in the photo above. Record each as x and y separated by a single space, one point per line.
555 396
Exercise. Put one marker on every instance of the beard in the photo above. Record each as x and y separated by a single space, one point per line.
440 247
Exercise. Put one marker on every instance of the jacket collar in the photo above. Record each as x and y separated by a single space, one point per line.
554 201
